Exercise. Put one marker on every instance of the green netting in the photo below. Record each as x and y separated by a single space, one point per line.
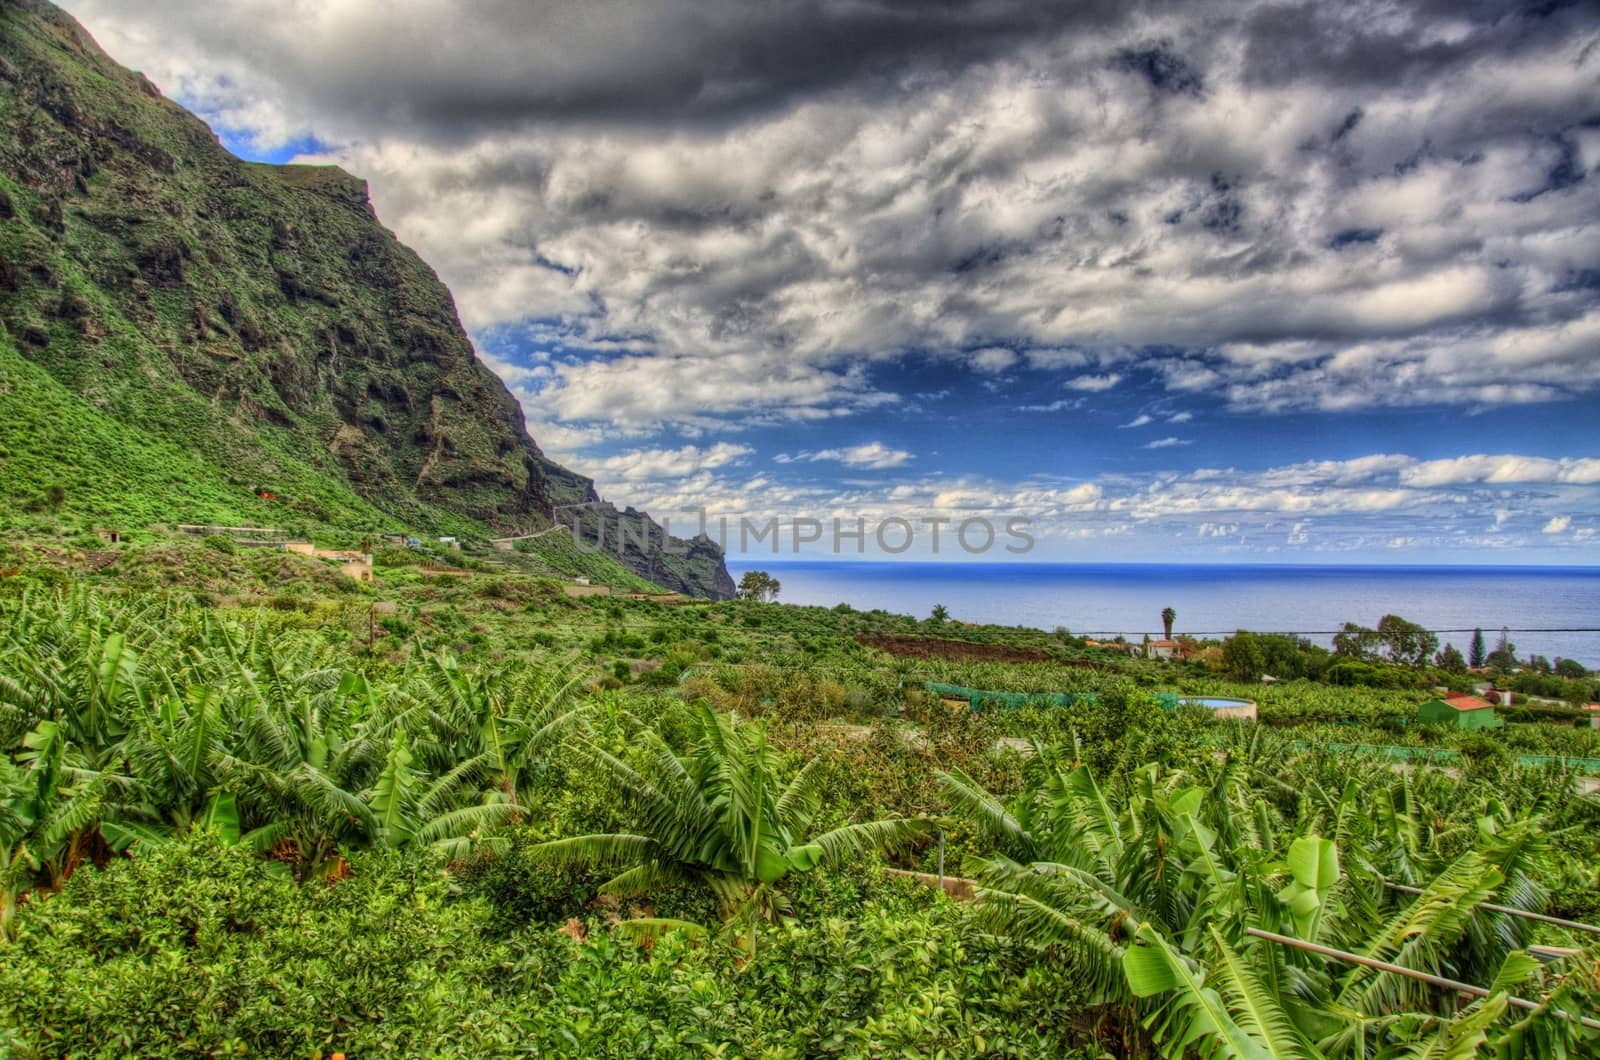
1435 754
1444 754
980 698
1591 765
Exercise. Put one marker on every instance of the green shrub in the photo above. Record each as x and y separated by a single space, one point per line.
220 543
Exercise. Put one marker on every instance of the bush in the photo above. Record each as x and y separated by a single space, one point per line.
396 557
196 948
220 543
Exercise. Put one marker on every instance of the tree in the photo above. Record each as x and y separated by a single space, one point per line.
758 585
1356 642
1168 617
1504 656
940 615
1242 656
1475 653
1570 668
406 808
717 816
1408 643
55 495
1451 659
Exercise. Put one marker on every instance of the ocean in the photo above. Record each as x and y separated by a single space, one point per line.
1091 599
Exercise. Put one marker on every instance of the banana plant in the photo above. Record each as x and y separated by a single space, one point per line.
47 809
75 667
171 755
719 816
407 808
1138 887
512 719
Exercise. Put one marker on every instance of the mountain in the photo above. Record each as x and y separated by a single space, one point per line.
187 337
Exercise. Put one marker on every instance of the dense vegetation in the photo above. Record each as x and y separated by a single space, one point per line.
489 816
250 805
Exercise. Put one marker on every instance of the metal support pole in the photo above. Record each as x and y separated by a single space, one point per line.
1541 917
1385 966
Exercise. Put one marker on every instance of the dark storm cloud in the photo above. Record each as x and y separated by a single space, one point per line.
1357 43
1286 205
1164 69
445 70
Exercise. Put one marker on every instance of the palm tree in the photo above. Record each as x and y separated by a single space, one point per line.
718 816
1168 617
940 615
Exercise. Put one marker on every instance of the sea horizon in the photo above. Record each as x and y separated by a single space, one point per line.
1550 609
744 563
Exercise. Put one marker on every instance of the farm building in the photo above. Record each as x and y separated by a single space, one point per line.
1460 711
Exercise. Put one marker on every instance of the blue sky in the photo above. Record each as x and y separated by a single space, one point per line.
1257 281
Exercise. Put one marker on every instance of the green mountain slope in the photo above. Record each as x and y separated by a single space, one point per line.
184 331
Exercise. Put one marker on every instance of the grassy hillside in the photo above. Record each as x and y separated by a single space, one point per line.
200 330
60 456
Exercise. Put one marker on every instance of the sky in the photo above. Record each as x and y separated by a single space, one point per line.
1256 280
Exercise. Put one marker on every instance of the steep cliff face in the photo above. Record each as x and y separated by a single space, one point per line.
258 318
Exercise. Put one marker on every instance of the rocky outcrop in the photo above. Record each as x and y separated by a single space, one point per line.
259 315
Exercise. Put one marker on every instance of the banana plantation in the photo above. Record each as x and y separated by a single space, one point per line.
236 831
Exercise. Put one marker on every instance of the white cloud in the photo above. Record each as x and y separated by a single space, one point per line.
1094 384
992 359
1138 421
1502 469
648 464
1557 525
873 455
1059 405
1166 443
1354 506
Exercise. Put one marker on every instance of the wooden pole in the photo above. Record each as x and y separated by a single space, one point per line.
1410 973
